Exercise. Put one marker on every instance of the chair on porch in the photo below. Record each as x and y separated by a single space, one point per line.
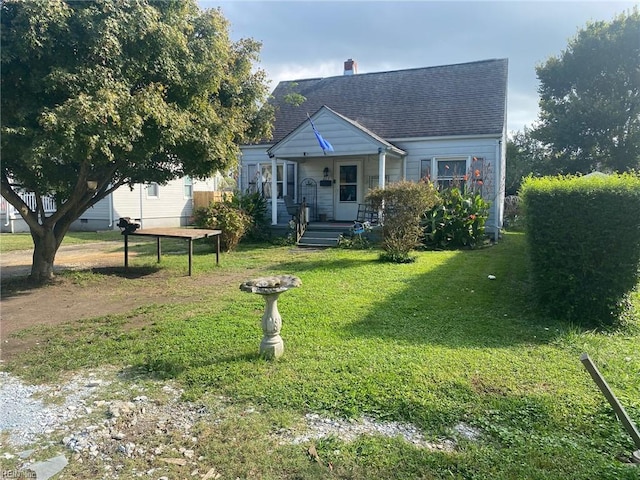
366 213
292 207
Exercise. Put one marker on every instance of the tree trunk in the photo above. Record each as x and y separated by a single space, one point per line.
44 253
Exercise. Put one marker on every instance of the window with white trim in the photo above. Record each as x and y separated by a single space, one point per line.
451 172
153 190
188 187
461 171
258 179
267 183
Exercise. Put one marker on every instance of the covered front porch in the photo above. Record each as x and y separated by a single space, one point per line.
332 184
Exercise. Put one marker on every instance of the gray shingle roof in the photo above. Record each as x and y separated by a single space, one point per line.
461 99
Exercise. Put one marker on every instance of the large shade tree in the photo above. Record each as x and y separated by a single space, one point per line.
100 94
525 156
590 98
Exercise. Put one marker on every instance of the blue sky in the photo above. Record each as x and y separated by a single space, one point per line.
305 39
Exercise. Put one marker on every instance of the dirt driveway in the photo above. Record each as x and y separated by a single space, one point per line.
66 300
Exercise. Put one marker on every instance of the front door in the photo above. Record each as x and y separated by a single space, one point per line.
349 191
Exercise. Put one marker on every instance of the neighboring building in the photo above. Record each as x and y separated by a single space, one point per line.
440 122
152 205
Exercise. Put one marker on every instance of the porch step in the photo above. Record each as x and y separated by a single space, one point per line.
323 235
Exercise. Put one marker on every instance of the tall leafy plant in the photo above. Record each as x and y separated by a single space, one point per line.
457 221
255 206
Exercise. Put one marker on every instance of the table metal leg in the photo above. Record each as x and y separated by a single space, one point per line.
217 249
126 250
190 254
159 248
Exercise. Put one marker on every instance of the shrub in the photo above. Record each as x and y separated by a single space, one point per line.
233 222
457 221
583 236
254 205
512 213
403 204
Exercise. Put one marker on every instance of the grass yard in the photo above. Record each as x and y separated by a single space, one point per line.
434 343
10 242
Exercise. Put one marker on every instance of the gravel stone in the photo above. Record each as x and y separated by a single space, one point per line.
103 429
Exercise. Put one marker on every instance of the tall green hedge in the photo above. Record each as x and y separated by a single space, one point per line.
583 235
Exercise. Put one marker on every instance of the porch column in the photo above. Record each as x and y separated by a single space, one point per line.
382 159
274 191
404 167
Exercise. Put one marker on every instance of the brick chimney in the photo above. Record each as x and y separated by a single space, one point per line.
350 67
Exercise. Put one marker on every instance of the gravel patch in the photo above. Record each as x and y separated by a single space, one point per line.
349 430
98 420
31 411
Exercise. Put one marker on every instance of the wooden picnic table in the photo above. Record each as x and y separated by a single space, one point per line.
190 234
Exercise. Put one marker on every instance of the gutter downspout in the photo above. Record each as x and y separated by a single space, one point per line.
141 186
110 210
7 213
498 198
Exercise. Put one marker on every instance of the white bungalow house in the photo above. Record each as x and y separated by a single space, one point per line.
152 205
443 123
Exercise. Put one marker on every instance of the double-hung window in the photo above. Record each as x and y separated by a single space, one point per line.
259 178
446 172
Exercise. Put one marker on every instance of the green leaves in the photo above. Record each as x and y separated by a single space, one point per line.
590 99
403 205
132 87
457 221
584 244
120 93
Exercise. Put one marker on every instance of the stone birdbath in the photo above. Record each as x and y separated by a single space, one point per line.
270 288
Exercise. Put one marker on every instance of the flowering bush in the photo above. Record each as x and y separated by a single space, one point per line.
233 222
457 221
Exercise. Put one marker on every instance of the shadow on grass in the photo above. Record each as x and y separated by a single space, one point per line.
337 264
461 304
170 366
22 285
128 272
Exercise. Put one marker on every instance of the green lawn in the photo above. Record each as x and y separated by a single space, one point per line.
434 343
22 241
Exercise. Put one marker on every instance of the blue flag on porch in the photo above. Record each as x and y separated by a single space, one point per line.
324 145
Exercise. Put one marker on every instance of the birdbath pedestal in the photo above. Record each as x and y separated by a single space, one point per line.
270 288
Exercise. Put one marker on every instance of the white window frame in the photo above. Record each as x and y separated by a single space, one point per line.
153 190
187 183
439 179
257 181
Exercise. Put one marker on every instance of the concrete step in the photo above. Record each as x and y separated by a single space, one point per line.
318 242
317 238
329 226
322 233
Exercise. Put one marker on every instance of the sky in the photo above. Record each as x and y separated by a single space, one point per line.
309 39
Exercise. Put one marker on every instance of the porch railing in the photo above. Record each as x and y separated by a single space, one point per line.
8 210
301 221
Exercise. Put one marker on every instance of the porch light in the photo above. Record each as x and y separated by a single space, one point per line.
325 172
92 184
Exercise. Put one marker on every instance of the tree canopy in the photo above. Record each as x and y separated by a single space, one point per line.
99 94
525 156
590 98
